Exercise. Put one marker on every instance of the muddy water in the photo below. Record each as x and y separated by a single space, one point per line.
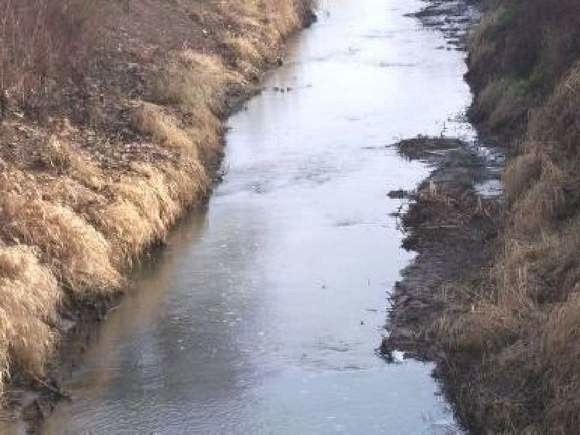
263 313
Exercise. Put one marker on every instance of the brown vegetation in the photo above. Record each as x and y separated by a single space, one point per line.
45 45
107 127
518 54
515 344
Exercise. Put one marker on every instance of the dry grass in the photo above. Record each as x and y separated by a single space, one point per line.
521 172
503 105
197 85
29 300
77 253
190 79
487 327
150 120
146 204
57 155
517 57
80 203
560 341
247 50
523 327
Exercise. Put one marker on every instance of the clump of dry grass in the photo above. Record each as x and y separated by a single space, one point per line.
559 358
191 79
539 206
520 172
196 85
77 253
55 154
486 327
29 300
146 204
502 104
150 119
246 50
59 156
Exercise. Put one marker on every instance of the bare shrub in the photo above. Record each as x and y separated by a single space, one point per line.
44 44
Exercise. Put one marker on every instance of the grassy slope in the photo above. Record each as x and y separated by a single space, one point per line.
100 156
521 328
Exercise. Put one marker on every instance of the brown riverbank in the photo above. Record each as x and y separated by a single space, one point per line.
99 160
453 228
526 77
504 328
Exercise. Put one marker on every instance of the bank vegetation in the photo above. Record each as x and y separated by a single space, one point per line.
110 126
514 337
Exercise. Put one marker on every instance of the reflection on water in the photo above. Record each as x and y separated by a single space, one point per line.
263 313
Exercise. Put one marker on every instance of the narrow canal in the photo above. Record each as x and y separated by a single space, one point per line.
263 313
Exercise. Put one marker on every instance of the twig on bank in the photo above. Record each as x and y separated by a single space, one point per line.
54 390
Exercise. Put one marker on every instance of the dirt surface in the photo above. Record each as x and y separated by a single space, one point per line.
452 17
453 230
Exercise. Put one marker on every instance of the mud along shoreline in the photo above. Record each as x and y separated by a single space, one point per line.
452 221
453 229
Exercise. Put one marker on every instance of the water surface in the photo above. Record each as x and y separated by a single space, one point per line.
263 313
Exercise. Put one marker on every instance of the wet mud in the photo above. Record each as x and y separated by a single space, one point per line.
451 227
454 18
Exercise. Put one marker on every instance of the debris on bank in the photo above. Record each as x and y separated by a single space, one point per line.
453 229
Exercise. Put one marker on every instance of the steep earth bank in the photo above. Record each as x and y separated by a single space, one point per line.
103 152
505 329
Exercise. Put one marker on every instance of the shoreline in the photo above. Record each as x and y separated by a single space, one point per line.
453 229
453 224
30 400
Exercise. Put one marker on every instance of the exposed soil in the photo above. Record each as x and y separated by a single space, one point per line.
452 17
452 228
